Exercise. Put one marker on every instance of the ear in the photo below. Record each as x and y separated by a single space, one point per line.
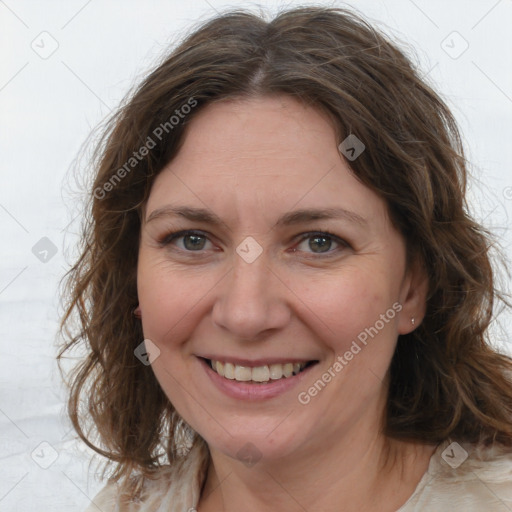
137 312
413 297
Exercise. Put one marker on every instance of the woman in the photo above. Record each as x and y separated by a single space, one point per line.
279 213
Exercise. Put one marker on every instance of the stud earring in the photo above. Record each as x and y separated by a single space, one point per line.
413 320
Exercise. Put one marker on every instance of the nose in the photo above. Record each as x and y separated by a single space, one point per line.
251 301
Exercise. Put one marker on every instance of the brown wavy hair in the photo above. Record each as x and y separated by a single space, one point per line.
446 380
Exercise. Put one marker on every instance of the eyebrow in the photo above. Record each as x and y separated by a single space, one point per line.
194 214
312 214
288 219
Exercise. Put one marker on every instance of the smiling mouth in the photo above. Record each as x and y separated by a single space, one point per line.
258 374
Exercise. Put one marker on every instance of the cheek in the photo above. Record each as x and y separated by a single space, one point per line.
352 305
170 301
171 304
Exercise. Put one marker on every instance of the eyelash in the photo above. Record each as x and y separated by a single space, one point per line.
173 236
342 244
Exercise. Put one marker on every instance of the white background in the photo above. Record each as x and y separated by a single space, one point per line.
50 105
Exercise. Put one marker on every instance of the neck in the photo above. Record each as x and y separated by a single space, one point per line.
362 471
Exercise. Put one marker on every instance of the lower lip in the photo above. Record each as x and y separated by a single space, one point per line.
252 391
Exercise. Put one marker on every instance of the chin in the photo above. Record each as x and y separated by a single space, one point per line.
252 442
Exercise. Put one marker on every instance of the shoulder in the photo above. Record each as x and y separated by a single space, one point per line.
139 495
169 488
464 476
105 500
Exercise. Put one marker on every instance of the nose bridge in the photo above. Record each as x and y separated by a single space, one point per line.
247 278
249 300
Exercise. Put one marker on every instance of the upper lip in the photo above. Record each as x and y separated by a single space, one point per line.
256 362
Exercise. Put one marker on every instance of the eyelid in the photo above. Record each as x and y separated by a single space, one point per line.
168 238
335 238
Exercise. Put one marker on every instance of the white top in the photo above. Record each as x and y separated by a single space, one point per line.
460 477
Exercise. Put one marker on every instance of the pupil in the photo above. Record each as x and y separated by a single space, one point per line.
194 242
320 244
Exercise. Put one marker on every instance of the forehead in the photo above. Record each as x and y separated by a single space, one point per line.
257 129
270 153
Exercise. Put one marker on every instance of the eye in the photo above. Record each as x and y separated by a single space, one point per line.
191 241
320 243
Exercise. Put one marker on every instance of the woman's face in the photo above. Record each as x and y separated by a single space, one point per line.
262 251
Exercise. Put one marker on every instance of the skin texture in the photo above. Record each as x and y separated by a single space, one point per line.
250 162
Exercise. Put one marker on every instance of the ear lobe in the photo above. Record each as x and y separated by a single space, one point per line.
137 312
414 298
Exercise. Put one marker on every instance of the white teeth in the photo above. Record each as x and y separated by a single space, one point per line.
243 373
229 371
261 374
276 371
258 373
220 368
288 369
